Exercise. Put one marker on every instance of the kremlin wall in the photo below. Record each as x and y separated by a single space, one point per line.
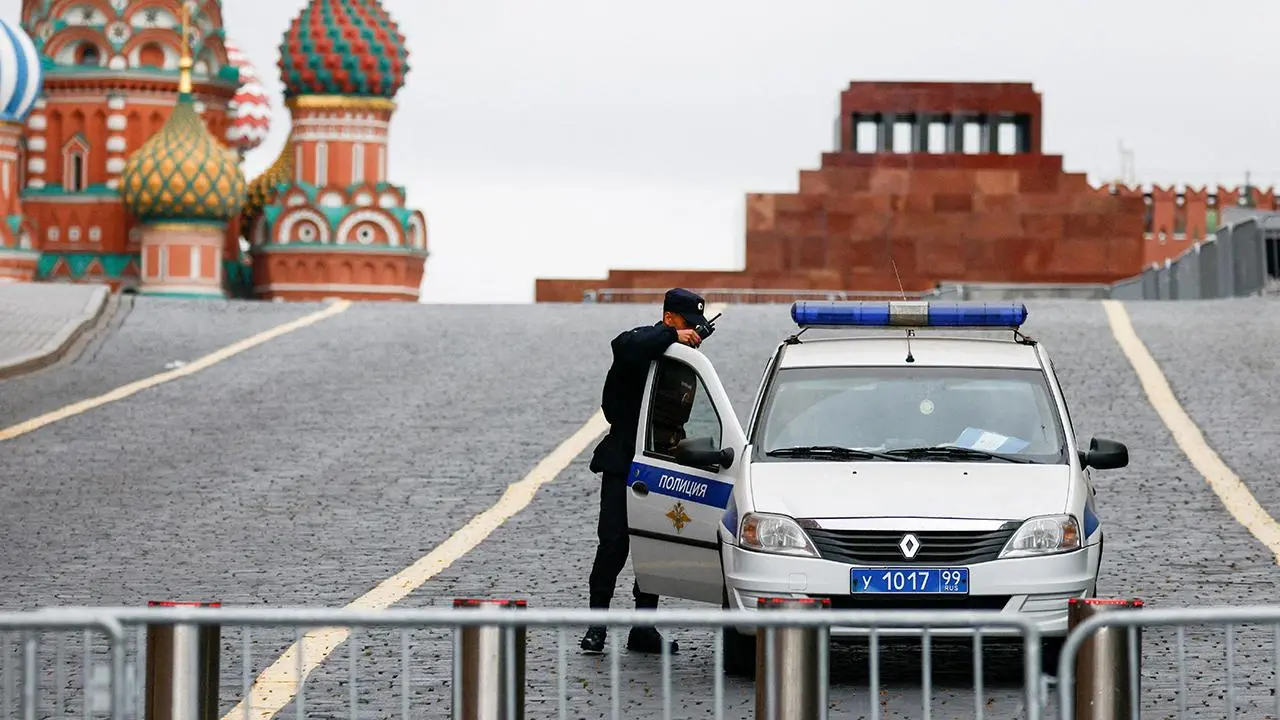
942 182
123 126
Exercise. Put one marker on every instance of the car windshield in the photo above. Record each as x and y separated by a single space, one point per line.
927 413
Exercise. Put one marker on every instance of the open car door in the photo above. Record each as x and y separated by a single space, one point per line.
689 453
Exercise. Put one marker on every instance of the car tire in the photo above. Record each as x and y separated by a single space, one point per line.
1050 648
739 649
739 654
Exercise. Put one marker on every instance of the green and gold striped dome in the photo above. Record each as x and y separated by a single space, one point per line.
184 173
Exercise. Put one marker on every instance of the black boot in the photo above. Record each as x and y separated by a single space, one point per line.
593 641
649 640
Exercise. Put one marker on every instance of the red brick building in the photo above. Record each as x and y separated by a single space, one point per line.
944 180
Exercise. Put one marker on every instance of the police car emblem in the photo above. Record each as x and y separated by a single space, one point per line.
678 517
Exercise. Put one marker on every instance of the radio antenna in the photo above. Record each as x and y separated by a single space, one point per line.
910 358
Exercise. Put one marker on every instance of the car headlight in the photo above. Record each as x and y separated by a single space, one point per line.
1044 536
775 534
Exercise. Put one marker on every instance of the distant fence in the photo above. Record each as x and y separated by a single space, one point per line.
739 296
1238 260
1233 262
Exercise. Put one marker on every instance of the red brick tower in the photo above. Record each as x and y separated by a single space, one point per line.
184 186
337 227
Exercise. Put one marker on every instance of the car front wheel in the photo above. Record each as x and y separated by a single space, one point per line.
739 649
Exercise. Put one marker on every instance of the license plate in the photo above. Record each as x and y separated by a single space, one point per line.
909 580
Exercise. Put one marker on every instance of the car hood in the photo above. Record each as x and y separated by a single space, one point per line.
984 490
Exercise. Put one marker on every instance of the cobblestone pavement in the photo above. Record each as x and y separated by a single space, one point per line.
38 319
139 343
306 470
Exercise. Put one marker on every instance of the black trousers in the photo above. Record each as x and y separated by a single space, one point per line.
615 545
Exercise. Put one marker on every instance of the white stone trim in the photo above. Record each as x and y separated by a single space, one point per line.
392 230
417 232
286 225
322 164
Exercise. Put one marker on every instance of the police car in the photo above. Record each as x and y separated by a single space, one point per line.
909 468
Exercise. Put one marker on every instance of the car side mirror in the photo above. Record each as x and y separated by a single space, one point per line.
702 453
1105 455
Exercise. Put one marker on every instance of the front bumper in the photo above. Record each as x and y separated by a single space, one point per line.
1037 589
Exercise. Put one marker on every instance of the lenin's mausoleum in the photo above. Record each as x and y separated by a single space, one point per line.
947 182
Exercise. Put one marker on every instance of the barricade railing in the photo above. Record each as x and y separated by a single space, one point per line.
36 683
478 663
1170 631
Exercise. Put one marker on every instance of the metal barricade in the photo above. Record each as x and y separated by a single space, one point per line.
332 670
1220 656
44 684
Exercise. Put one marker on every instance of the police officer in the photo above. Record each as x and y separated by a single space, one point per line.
633 351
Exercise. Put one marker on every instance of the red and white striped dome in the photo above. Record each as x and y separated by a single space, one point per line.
251 108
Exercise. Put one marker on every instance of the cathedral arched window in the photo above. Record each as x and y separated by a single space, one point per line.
88 54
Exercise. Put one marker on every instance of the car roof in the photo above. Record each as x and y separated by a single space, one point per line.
926 351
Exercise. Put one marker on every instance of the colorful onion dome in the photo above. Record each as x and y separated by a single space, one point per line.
20 73
183 173
343 47
251 108
262 191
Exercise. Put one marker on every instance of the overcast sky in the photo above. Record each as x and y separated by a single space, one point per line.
561 138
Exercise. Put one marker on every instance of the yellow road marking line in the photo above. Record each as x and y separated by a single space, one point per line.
278 684
1235 495
195 366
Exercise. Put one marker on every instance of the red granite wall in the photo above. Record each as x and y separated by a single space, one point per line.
939 214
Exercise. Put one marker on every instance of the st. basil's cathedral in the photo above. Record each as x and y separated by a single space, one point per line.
123 128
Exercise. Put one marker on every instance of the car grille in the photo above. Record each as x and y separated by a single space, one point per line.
879 547
961 603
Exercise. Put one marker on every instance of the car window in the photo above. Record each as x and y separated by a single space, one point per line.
681 409
1004 410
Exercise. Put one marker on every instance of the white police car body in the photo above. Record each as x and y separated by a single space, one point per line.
930 470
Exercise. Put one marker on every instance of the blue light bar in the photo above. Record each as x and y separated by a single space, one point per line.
908 313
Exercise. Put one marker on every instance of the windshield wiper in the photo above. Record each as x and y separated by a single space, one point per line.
834 452
950 451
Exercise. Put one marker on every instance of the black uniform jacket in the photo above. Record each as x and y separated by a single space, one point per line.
633 350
